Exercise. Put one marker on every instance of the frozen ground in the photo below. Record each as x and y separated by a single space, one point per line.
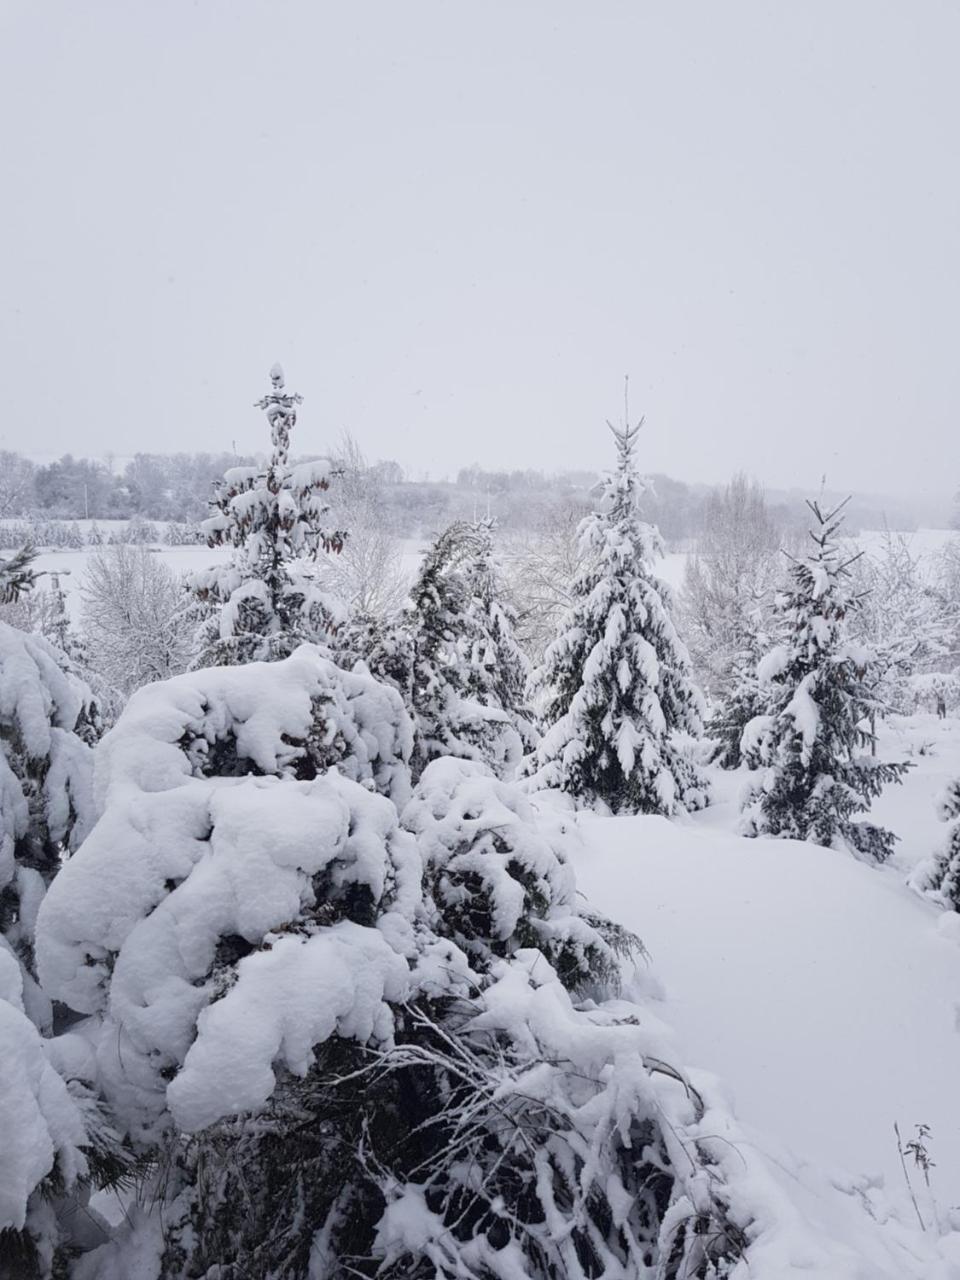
823 993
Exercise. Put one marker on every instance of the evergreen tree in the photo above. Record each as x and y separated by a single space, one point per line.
17 575
440 654
616 681
266 602
442 618
351 1043
496 669
742 698
812 737
940 876
46 780
55 1136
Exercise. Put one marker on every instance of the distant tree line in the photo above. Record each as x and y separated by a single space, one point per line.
177 488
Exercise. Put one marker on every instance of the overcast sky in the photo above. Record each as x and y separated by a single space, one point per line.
459 224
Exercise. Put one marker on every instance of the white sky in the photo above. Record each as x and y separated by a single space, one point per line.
459 224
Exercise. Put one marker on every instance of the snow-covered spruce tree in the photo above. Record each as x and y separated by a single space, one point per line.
940 875
812 739
354 1046
616 682
497 869
266 601
742 699
435 655
497 671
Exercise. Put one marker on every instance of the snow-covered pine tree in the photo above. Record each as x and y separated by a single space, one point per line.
266 602
436 652
742 698
813 738
497 670
443 619
616 682
497 869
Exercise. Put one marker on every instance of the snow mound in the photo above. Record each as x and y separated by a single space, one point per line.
823 996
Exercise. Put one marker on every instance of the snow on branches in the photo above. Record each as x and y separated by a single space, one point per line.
43 1134
452 656
810 740
45 786
498 869
346 1040
616 682
940 875
267 600
220 862
17 575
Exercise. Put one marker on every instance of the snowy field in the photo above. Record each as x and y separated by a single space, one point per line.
825 996
925 543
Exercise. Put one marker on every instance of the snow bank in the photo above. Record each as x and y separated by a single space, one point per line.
821 994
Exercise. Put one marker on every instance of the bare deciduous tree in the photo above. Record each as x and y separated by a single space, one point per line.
132 606
367 575
730 577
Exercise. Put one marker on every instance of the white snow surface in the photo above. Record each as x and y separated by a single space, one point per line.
39 1120
825 996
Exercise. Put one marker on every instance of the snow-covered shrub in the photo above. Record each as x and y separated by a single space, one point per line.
13 534
53 1136
810 740
293 719
45 787
46 1123
498 870
940 875
232 911
616 682
267 601
238 932
141 533
182 535
935 691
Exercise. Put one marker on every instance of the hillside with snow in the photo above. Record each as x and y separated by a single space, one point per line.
824 994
